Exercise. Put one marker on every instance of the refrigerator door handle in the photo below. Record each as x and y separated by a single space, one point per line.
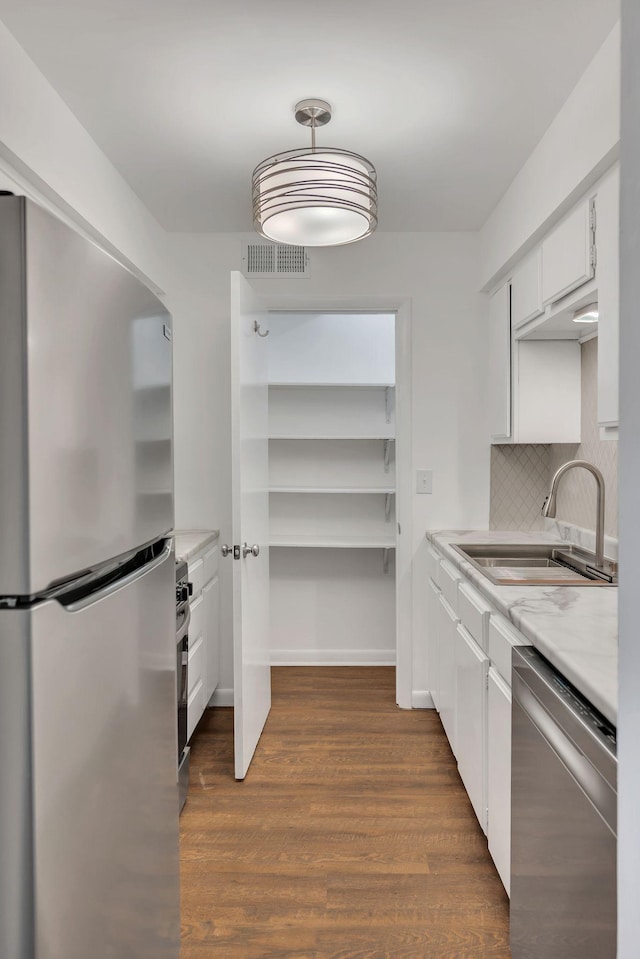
121 583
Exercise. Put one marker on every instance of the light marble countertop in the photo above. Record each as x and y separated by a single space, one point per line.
191 541
575 627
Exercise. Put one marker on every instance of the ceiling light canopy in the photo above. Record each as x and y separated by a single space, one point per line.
313 197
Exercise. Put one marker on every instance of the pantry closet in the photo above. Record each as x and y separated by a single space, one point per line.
332 483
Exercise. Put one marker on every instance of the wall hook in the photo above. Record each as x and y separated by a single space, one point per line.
256 329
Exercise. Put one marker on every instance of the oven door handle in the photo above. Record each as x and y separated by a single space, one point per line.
183 629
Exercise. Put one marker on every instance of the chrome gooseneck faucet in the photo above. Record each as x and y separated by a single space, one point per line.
549 507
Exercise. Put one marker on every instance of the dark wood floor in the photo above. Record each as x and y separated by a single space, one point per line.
351 837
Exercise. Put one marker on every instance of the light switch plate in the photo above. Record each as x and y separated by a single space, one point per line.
424 481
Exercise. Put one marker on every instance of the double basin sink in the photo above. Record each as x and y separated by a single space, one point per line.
511 564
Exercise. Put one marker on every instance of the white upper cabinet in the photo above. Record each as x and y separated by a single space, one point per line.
500 364
608 277
576 264
547 394
568 253
529 382
526 290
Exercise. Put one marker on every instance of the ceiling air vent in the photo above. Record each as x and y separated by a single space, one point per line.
275 259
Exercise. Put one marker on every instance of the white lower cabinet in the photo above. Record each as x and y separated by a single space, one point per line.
469 660
204 633
433 620
472 666
447 626
499 774
211 602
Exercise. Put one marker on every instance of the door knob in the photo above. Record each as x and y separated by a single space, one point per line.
254 550
226 550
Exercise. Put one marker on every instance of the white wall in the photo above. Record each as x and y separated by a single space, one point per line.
42 144
580 144
629 647
439 272
332 348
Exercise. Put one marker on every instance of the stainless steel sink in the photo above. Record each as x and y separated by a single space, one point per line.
519 564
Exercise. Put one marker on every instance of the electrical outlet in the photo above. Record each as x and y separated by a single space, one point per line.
424 481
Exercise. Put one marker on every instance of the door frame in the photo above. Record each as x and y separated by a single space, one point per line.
402 307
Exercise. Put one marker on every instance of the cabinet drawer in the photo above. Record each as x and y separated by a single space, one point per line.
502 638
197 619
433 564
196 575
195 708
210 561
474 613
195 669
448 579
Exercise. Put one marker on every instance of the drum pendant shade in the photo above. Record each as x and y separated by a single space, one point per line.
311 197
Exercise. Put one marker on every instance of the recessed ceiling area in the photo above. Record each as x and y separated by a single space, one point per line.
447 99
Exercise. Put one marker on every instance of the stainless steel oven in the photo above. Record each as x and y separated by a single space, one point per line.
563 821
182 667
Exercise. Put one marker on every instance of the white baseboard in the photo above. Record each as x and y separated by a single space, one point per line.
333 657
222 697
421 699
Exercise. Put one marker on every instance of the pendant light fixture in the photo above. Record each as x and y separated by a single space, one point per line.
315 197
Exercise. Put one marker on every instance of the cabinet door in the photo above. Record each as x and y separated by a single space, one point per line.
211 601
608 227
499 774
196 665
500 364
447 670
526 290
433 627
547 403
472 666
567 260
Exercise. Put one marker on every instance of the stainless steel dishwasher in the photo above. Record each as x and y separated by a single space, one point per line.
563 819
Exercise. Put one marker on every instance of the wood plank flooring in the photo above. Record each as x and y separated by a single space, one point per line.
351 838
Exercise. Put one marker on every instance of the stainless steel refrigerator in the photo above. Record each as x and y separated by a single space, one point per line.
88 740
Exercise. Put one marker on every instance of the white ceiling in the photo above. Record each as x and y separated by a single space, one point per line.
446 97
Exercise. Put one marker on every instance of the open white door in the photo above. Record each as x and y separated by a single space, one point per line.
250 520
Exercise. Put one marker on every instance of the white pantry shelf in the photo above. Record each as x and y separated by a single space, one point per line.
385 490
340 386
332 542
332 436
